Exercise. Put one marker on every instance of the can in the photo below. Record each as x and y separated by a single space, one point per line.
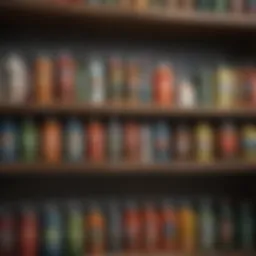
132 228
204 143
169 226
147 152
115 229
29 232
75 229
205 93
66 67
163 83
7 232
186 94
29 141
16 78
96 230
162 142
82 78
151 227
51 141
96 141
115 141
97 81
249 142
52 233
9 141
146 82
116 79
251 4
133 81
44 80
221 6
132 141
237 6
226 87
188 227
207 225
228 141
74 138
183 138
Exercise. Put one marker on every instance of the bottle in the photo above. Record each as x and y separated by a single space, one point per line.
147 152
145 90
248 83
66 77
74 138
96 141
151 228
52 231
162 142
251 4
221 6
186 94
188 227
44 91
249 142
169 226
205 5
29 141
75 229
163 85
140 4
207 225
17 78
29 232
237 6
96 230
51 141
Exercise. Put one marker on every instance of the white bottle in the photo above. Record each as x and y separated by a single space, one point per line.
186 94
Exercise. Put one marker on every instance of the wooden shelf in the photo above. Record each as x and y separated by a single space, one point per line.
146 21
131 168
124 110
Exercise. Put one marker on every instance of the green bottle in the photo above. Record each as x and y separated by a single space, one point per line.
75 230
82 83
221 5
29 141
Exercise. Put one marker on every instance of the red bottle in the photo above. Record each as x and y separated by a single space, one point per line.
7 233
132 228
28 232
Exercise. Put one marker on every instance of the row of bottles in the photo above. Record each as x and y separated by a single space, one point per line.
110 226
215 6
75 140
66 79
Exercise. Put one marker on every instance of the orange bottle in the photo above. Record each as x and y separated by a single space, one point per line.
96 231
51 141
96 141
44 80
163 83
188 228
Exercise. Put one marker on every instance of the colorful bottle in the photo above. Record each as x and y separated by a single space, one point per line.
151 228
204 143
44 91
16 79
163 85
96 230
29 141
162 142
132 141
146 82
29 232
132 228
207 226
249 142
51 141
248 83
66 80
115 229
115 141
9 141
75 229
146 136
169 226
188 227
186 94
74 138
96 141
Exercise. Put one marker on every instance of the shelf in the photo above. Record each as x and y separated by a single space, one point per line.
124 110
131 168
118 19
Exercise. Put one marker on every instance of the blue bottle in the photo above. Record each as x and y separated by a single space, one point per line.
74 141
52 231
9 143
162 142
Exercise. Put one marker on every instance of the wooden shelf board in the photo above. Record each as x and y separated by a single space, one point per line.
132 168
